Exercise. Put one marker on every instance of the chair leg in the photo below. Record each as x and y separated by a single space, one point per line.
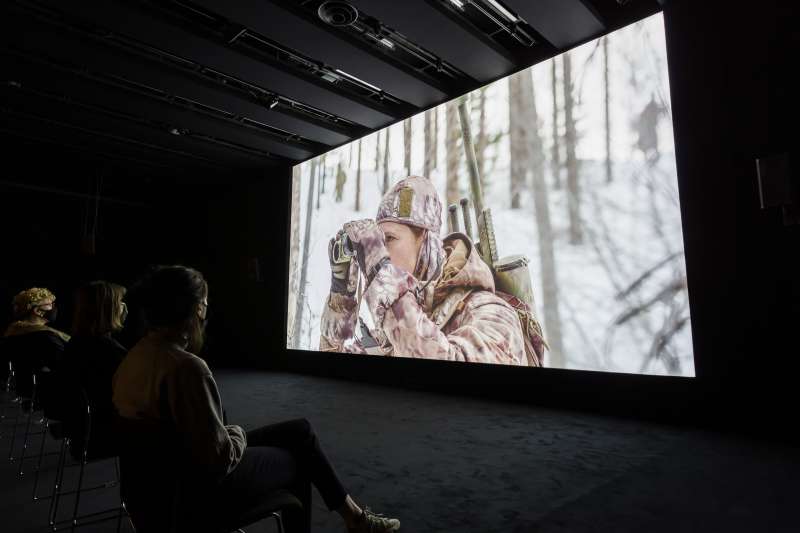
25 441
39 462
78 493
56 496
121 503
14 434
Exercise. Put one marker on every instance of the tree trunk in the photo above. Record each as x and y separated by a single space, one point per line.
570 140
386 161
301 292
541 203
518 131
358 178
407 146
452 150
481 139
377 151
555 151
607 106
430 144
320 177
294 253
324 173
436 137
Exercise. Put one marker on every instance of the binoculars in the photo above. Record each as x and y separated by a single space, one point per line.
343 250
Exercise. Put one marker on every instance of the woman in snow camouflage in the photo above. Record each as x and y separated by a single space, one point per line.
429 298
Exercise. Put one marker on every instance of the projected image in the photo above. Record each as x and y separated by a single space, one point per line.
533 222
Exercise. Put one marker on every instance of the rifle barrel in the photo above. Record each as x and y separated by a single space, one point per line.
472 162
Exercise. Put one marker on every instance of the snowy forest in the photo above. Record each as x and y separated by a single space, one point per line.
576 159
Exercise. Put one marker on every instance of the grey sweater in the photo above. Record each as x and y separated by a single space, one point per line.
158 380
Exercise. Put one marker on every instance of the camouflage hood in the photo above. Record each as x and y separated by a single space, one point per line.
413 201
463 268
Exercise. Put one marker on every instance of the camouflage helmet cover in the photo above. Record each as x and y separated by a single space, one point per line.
412 201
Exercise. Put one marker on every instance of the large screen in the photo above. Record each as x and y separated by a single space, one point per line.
533 222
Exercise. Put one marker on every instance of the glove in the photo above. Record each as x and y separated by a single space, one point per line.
369 243
344 276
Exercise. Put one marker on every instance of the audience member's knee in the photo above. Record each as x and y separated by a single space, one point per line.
304 427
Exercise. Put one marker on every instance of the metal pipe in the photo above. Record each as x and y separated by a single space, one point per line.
452 218
467 216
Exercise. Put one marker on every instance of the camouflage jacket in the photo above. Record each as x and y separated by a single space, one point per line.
459 318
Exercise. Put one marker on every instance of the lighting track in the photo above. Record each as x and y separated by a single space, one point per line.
215 27
495 21
387 43
248 91
128 117
16 136
167 98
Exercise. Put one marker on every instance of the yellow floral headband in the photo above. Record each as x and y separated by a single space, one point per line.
30 298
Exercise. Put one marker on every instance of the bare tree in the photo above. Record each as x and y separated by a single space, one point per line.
534 159
377 151
324 173
517 137
358 178
294 251
570 142
430 144
436 137
386 161
320 177
452 150
407 146
555 150
607 111
481 138
301 288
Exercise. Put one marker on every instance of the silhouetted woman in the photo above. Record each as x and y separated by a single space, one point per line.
31 343
91 358
162 380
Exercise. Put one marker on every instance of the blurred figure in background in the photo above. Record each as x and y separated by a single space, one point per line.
30 343
91 358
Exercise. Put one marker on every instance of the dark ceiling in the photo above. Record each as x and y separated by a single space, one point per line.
230 86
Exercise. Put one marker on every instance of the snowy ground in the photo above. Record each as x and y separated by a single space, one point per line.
630 224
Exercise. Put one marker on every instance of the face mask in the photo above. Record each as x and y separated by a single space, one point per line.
51 314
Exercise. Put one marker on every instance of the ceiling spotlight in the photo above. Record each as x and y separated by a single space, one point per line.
274 102
337 13
175 131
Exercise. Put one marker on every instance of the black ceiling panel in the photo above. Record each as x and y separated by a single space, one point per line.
36 107
442 34
178 87
314 40
134 23
33 76
562 22
102 57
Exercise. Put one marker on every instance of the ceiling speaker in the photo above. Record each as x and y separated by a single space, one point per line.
337 13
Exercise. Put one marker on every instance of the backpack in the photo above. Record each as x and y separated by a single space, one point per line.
535 345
